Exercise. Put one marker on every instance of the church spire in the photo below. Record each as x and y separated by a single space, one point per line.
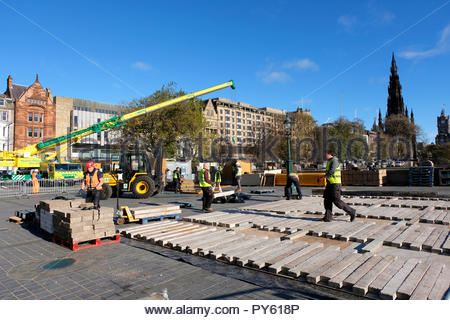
412 116
406 111
380 120
395 100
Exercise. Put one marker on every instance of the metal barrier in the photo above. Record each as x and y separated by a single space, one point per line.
9 189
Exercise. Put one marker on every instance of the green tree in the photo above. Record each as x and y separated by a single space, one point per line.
183 120
440 154
344 130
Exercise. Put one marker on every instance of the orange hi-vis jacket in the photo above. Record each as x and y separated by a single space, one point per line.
92 182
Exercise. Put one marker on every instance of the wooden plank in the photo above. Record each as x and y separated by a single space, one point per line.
283 253
407 288
243 259
155 236
143 227
339 267
218 252
138 233
345 236
437 246
162 229
315 262
418 242
316 275
337 280
428 244
389 291
299 260
361 271
377 243
401 229
295 235
398 242
361 287
441 285
199 230
365 233
263 254
183 244
276 267
386 275
412 236
190 237
204 248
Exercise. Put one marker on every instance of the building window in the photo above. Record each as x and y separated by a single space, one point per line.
227 118
30 116
36 117
227 125
232 126
238 120
249 116
238 126
258 118
75 121
238 114
221 111
2 102
232 113
36 132
221 118
30 132
4 116
41 133
4 131
227 131
227 111
41 117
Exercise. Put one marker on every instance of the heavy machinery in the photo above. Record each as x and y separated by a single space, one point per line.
134 172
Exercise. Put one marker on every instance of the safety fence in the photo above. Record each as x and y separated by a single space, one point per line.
11 189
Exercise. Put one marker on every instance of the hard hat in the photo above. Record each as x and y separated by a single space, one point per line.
90 164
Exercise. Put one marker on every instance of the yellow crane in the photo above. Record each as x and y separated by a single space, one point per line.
28 157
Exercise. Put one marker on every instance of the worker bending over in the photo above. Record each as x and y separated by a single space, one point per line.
206 185
292 179
93 182
332 193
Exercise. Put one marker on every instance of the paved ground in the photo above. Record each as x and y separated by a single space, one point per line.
132 270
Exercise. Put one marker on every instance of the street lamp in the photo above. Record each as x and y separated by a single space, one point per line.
287 127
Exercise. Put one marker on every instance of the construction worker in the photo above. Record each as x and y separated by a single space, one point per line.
177 179
292 179
218 178
206 185
35 180
238 176
332 193
93 181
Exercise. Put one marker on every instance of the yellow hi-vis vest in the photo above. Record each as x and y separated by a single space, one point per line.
239 172
218 176
336 177
294 175
202 180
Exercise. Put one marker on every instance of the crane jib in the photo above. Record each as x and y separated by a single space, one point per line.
118 121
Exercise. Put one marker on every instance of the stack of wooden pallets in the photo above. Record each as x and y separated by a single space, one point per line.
364 178
156 212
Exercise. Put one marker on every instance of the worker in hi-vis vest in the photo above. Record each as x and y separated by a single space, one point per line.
238 176
332 193
93 182
35 180
218 178
177 179
206 185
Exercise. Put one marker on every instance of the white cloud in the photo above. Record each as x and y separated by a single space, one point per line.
116 85
441 47
301 64
274 76
347 21
141 66
379 15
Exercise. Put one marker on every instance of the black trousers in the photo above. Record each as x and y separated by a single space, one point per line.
332 195
177 185
287 189
93 195
208 196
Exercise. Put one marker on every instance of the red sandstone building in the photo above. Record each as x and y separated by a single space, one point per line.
34 113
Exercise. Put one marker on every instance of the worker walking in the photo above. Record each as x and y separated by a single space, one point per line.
177 179
35 180
206 185
218 178
332 193
238 176
93 182
292 179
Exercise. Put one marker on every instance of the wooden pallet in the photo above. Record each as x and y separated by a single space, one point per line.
76 246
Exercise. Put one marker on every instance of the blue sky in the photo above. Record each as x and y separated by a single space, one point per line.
277 52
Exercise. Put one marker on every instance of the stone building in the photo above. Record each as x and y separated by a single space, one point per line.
6 123
240 123
74 114
34 113
443 125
